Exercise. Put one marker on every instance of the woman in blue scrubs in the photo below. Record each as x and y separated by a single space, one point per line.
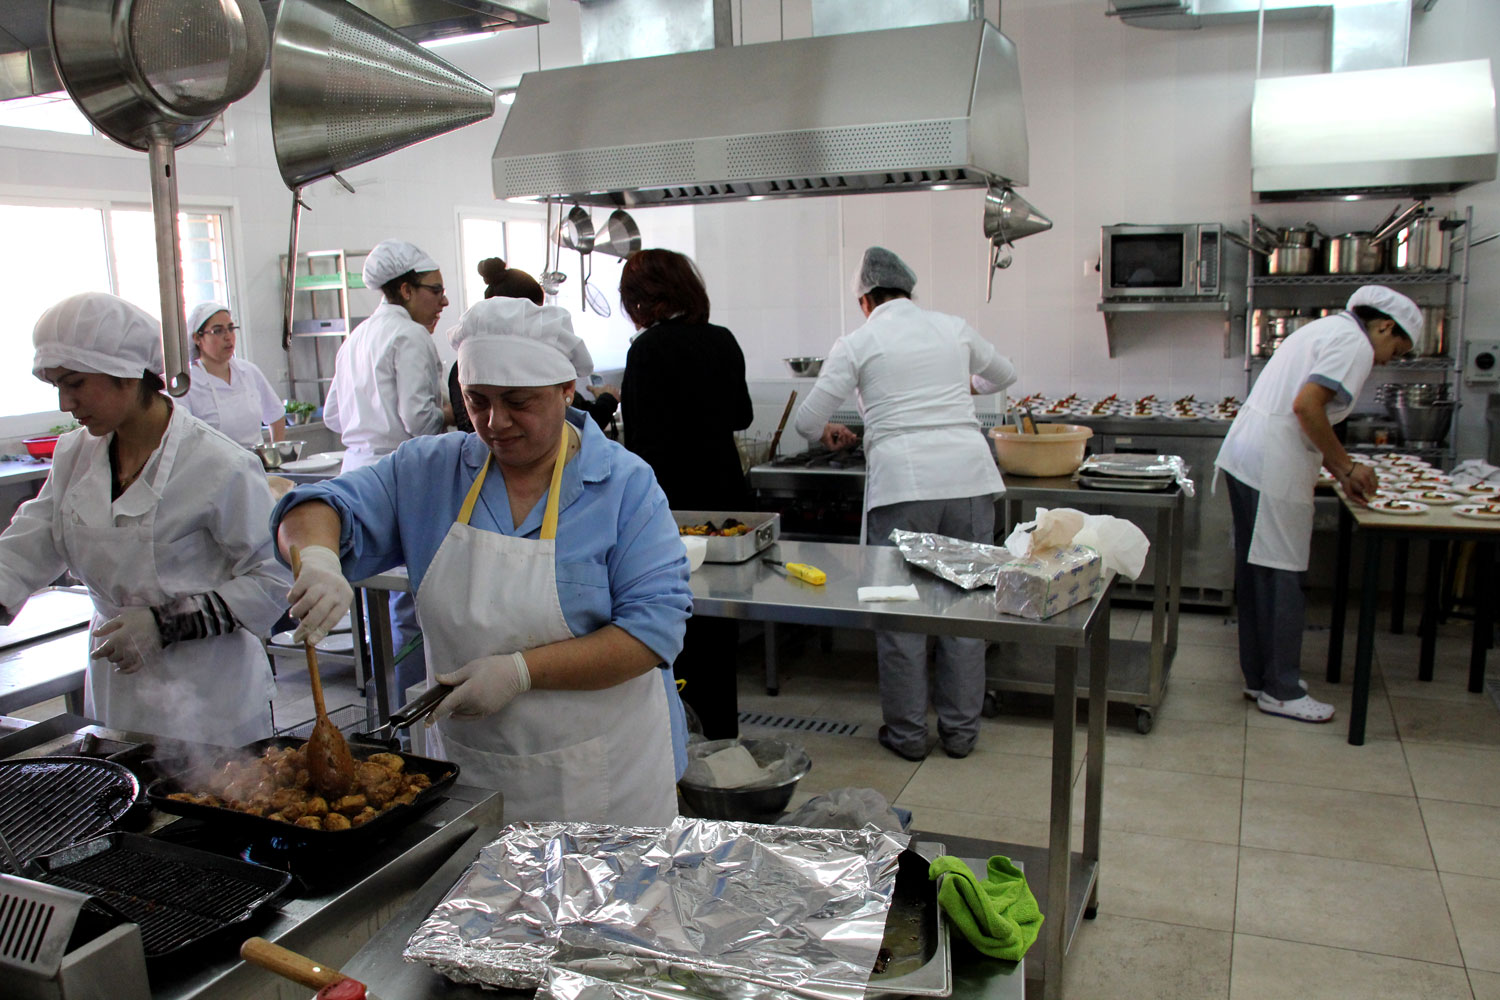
550 578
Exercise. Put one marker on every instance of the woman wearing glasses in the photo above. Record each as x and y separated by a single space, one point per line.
228 392
387 380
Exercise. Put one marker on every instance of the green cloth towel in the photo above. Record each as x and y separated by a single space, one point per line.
999 915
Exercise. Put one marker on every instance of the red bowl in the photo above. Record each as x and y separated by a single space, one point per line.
41 447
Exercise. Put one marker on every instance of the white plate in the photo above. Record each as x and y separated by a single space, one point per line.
1406 508
323 462
1434 498
1479 511
1482 489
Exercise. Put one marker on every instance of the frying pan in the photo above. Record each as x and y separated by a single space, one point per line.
152 75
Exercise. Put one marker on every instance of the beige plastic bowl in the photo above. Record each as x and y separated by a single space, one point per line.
1054 450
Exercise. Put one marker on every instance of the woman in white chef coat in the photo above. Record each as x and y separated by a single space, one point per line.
225 391
549 575
930 469
387 378
1270 458
165 521
387 388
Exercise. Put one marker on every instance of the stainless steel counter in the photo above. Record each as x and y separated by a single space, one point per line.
758 592
45 669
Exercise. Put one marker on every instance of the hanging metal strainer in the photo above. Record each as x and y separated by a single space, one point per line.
152 75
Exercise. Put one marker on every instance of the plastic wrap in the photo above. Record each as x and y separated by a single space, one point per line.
1127 466
733 909
968 564
1048 582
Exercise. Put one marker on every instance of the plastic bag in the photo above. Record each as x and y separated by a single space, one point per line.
848 809
1121 545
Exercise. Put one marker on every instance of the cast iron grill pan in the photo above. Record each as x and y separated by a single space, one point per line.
179 896
440 772
48 803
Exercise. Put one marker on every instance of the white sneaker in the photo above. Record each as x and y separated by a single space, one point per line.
1303 709
1254 695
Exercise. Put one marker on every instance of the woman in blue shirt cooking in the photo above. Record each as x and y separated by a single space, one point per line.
551 583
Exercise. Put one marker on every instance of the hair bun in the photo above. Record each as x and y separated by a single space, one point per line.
492 269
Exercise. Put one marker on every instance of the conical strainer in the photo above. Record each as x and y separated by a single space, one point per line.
347 88
152 75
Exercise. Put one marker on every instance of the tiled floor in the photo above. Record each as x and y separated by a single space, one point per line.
1244 856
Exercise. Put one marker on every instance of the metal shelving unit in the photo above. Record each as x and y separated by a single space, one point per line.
1297 290
327 275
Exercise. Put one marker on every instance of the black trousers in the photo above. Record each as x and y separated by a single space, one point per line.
707 666
1272 607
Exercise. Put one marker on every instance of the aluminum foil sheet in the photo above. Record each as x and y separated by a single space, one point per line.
968 564
702 908
1142 467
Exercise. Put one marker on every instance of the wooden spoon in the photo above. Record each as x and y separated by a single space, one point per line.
330 765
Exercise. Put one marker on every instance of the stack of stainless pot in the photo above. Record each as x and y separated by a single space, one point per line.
1292 250
1422 410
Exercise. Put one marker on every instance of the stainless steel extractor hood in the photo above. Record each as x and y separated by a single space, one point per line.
905 109
1406 130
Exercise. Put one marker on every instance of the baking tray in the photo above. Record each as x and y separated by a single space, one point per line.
765 528
441 772
181 897
916 935
1124 483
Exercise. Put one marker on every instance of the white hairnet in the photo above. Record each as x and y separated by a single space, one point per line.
515 342
879 268
1395 305
393 258
96 332
200 314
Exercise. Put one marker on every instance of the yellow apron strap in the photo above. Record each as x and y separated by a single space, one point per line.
549 517
467 510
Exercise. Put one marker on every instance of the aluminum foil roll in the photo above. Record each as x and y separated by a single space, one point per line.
968 564
718 909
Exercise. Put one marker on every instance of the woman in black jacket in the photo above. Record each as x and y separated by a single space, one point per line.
684 396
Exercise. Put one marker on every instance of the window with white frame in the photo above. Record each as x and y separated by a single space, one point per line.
82 248
58 113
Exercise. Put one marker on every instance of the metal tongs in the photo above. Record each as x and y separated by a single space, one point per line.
410 714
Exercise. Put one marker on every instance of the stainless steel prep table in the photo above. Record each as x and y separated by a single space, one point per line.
44 652
333 923
1138 670
757 592
380 966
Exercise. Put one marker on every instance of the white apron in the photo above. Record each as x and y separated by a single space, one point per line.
594 756
216 690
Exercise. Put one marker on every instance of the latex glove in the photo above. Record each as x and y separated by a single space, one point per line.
483 687
131 640
320 595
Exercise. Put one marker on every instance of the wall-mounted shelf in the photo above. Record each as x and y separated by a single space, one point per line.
1114 307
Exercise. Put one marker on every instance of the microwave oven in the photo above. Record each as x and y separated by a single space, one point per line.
1164 262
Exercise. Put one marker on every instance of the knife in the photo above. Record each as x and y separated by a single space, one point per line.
330 983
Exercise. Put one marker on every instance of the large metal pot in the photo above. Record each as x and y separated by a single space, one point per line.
1292 260
1353 253
1421 245
1271 327
1299 236
1433 343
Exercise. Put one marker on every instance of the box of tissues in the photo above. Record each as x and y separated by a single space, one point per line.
1046 582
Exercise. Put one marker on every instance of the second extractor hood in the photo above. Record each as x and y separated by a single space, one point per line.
904 109
1406 130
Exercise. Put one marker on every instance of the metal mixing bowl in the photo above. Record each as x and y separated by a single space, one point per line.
762 804
805 367
274 455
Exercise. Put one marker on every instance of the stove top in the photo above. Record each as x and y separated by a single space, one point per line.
852 458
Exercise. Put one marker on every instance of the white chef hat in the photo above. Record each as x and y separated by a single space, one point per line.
505 341
200 314
97 332
879 268
1404 311
393 258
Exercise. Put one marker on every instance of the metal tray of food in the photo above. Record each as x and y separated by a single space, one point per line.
916 954
1123 483
439 773
764 529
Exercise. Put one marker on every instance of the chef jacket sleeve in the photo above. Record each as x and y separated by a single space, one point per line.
257 587
836 383
991 371
331 418
1342 365
271 407
648 569
365 501
419 400
30 549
